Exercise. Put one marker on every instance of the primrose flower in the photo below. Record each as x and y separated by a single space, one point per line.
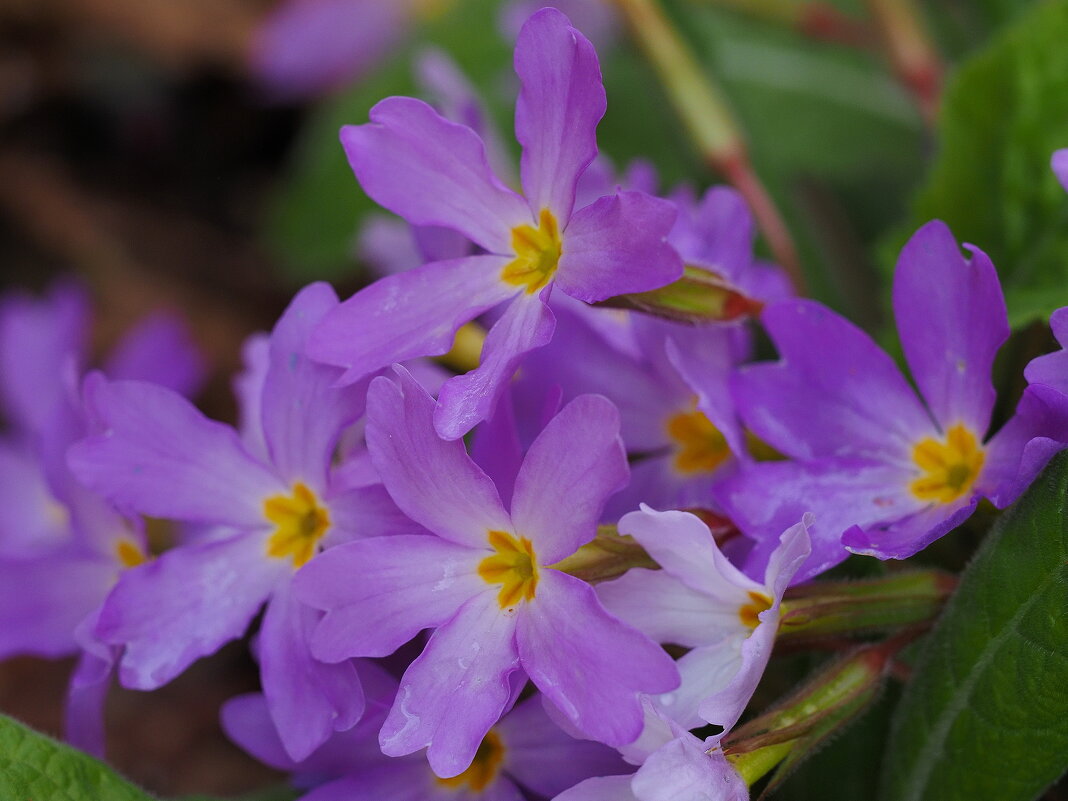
525 749
701 601
434 172
484 581
269 514
884 472
683 435
62 548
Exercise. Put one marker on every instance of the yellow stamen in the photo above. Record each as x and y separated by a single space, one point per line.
749 613
130 553
537 253
484 767
513 566
949 468
301 523
700 447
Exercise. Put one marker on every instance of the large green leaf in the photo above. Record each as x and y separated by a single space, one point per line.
37 768
1005 112
986 714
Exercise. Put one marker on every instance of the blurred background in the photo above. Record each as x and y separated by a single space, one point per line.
182 155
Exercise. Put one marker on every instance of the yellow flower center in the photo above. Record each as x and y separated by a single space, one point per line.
749 613
513 566
130 553
484 767
949 468
300 523
537 253
700 447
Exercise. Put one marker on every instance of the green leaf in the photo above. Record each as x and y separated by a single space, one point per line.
34 767
986 714
1005 112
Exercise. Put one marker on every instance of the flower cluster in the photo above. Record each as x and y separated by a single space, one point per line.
349 517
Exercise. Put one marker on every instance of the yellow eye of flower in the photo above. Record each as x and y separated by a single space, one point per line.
537 254
513 566
484 767
948 468
300 523
700 447
749 613
130 553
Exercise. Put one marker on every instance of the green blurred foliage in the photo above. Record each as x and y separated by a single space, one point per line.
984 716
1005 112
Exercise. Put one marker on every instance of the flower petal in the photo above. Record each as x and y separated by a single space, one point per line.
434 482
951 318
157 454
1052 369
379 593
1059 163
38 341
835 392
606 788
683 771
560 103
565 636
455 691
308 699
901 539
543 758
430 171
667 611
768 498
617 245
1020 450
159 349
303 413
186 604
684 548
43 599
466 400
407 315
569 471
83 714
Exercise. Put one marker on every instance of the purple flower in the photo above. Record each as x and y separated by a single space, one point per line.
62 548
669 383
701 601
885 472
430 171
269 513
525 749
485 582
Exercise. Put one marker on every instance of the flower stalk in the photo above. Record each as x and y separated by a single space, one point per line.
709 122
853 607
911 52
